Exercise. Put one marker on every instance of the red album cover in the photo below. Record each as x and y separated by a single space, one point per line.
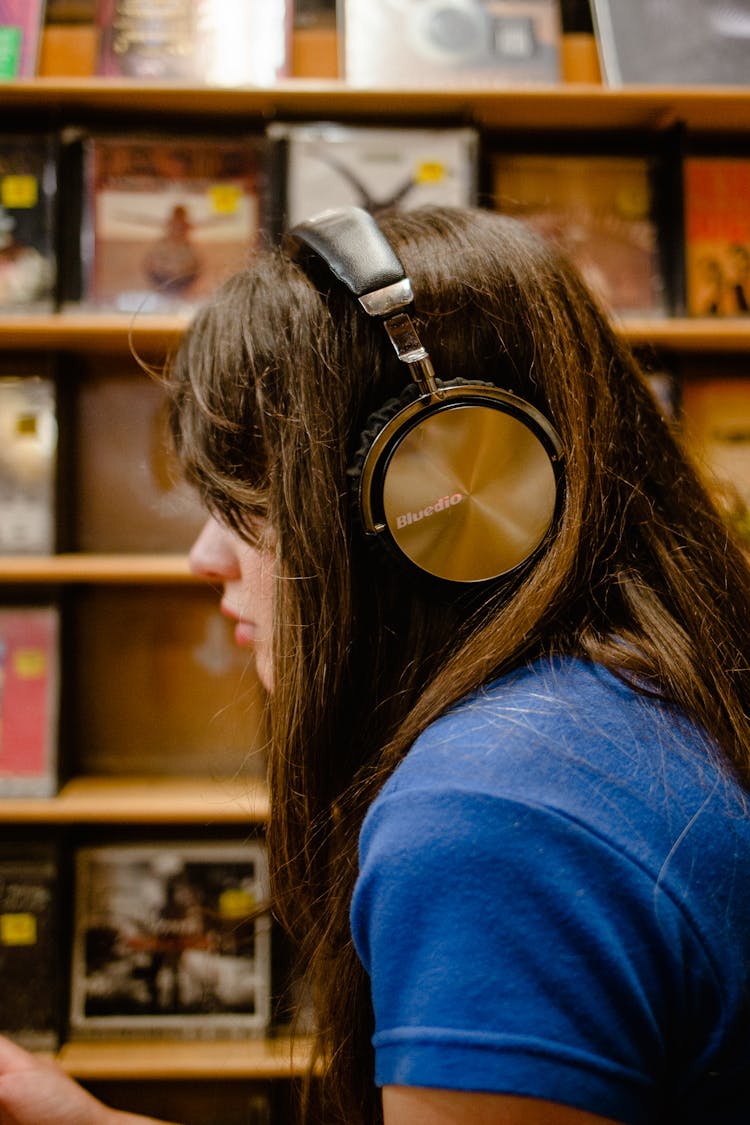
219 42
171 938
168 219
29 670
717 235
600 210
21 23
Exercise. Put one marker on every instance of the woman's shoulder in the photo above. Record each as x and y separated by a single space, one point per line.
571 740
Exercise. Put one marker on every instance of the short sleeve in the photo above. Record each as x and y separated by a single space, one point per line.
512 949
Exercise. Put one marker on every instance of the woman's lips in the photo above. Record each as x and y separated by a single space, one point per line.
245 632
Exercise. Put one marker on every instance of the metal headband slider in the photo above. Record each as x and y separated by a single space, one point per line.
411 350
384 302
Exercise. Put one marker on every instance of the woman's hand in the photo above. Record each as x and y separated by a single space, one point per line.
35 1091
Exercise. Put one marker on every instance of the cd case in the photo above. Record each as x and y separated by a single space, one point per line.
665 43
28 187
28 465
30 941
439 43
217 42
166 219
325 165
602 211
717 235
171 938
29 700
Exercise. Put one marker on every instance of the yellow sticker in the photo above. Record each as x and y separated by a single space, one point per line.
19 191
224 198
17 929
236 903
430 172
30 663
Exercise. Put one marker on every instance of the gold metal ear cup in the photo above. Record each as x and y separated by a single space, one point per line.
469 493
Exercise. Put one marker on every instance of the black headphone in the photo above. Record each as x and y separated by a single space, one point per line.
462 480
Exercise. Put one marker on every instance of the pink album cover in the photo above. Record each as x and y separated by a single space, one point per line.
21 23
29 670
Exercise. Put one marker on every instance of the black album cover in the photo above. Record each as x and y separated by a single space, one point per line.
28 187
29 946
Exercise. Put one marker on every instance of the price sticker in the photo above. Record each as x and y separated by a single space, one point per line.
17 929
17 191
224 198
430 172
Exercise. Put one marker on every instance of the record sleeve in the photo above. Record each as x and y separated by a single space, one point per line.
30 941
329 165
21 23
716 426
28 185
28 465
717 235
171 938
600 210
665 43
219 42
167 219
438 43
29 700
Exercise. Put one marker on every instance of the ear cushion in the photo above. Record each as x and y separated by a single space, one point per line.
464 488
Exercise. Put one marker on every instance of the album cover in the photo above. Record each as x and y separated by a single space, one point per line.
219 42
717 235
159 688
663 43
21 23
715 415
28 183
439 43
328 165
167 219
601 210
171 938
29 945
28 465
29 700
130 493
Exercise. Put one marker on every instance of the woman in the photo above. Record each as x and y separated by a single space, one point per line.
509 829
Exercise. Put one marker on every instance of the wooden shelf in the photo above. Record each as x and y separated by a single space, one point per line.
110 333
157 1059
92 332
145 800
685 334
572 107
88 568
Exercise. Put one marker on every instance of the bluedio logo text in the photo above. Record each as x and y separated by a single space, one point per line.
440 505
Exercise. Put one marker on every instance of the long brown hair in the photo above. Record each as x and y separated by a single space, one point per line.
272 387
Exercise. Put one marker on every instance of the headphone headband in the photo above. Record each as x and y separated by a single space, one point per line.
460 480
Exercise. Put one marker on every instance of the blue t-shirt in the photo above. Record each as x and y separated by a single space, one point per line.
554 901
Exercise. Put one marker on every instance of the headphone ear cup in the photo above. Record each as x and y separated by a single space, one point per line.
464 487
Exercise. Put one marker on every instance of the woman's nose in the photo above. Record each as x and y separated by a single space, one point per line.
213 555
